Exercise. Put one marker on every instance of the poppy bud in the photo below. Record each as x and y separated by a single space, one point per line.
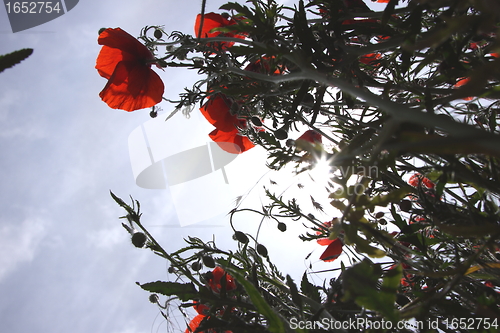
261 249
153 298
139 239
241 237
256 121
282 226
290 143
171 270
208 261
197 63
405 205
382 221
153 114
379 215
281 134
158 34
196 266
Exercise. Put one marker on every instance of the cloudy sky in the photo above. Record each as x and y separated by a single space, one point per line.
66 264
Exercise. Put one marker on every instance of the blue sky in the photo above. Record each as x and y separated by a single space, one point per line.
66 264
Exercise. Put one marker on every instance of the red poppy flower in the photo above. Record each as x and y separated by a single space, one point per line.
417 179
194 323
324 241
201 308
215 281
232 142
126 63
217 110
333 251
462 82
334 246
263 66
310 136
212 21
370 59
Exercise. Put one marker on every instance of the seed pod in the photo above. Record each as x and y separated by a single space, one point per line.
241 237
261 249
139 239
281 226
208 261
158 34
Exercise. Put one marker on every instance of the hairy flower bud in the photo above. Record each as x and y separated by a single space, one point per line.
158 34
281 226
241 237
281 134
262 250
153 298
256 121
208 261
139 239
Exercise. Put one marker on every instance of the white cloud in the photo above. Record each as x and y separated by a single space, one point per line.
19 243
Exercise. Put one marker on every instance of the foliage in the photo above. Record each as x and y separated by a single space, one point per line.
382 90
11 59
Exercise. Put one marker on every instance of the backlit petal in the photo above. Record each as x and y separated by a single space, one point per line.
232 141
333 251
132 87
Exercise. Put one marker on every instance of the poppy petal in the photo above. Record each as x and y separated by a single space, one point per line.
132 87
324 241
122 40
217 111
118 46
333 251
210 22
232 141
194 323
311 136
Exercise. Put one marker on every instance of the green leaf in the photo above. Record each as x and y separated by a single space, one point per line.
12 59
294 292
309 289
398 221
361 282
185 291
391 197
363 246
275 323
